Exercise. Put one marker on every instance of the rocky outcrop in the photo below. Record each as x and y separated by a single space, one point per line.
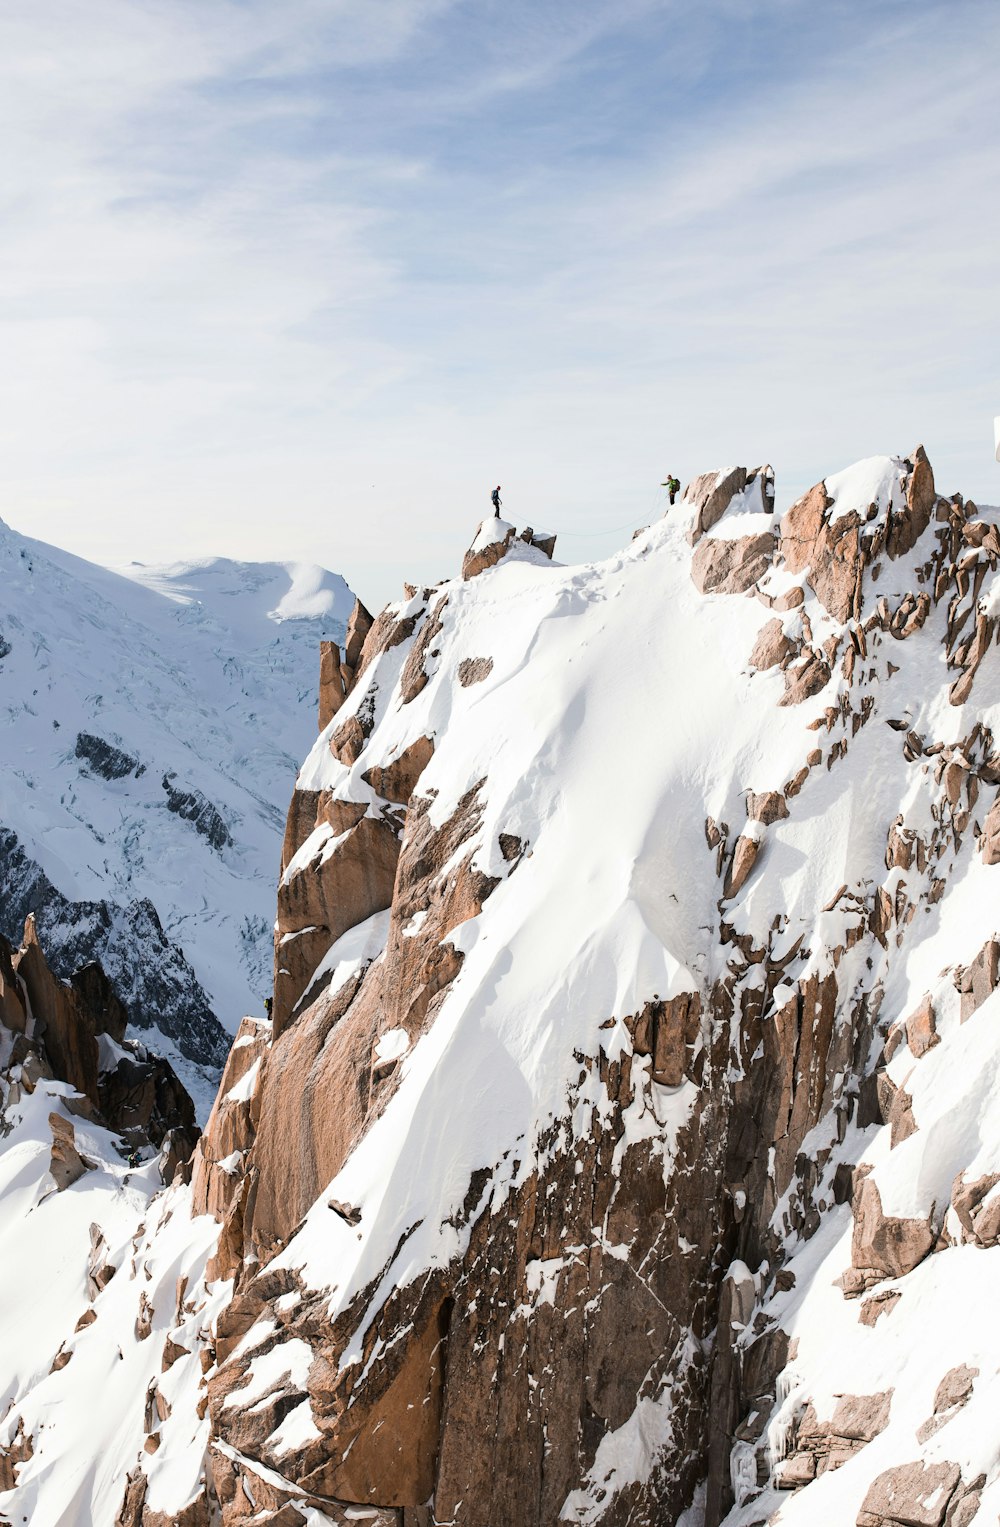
951 1396
884 1245
67 1165
218 1182
710 495
345 878
74 1032
820 1446
833 550
396 780
191 806
772 646
151 978
12 1455
917 1494
104 758
496 539
358 627
332 688
731 566
473 670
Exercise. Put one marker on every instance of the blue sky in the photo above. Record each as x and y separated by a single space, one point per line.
305 279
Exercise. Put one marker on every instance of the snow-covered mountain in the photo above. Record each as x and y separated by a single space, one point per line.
151 722
625 1148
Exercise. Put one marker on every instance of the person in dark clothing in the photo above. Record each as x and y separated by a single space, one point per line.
672 486
268 1005
495 500
134 1159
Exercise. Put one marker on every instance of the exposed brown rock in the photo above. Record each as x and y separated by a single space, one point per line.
100 1001
12 997
319 902
318 1092
910 1495
479 561
230 1128
348 742
414 676
906 530
745 854
396 780
979 980
390 629
952 1394
66 1165
13 1456
358 626
921 1032
805 679
476 562
828 553
772 645
901 1120
731 566
468 1385
822 1445
99 1270
991 835
473 670
881 1302
331 683
668 1031
767 807
710 496
979 1219
70 1035
886 1246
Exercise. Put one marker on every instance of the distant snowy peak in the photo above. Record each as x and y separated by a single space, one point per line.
155 720
276 591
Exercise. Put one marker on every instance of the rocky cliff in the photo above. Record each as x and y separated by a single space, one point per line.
626 1147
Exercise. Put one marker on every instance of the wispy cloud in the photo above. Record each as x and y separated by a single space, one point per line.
301 278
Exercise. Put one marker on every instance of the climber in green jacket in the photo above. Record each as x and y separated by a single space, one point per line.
672 486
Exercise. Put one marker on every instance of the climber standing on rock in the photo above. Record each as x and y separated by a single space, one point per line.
495 501
672 486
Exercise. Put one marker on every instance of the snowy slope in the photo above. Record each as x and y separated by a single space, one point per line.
614 721
633 1157
151 723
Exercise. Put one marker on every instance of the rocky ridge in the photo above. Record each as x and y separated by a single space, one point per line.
624 1146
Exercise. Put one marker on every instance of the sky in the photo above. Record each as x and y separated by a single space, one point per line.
305 279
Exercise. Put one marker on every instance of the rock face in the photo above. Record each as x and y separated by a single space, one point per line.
332 688
60 1027
496 539
731 566
150 973
624 1148
835 548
